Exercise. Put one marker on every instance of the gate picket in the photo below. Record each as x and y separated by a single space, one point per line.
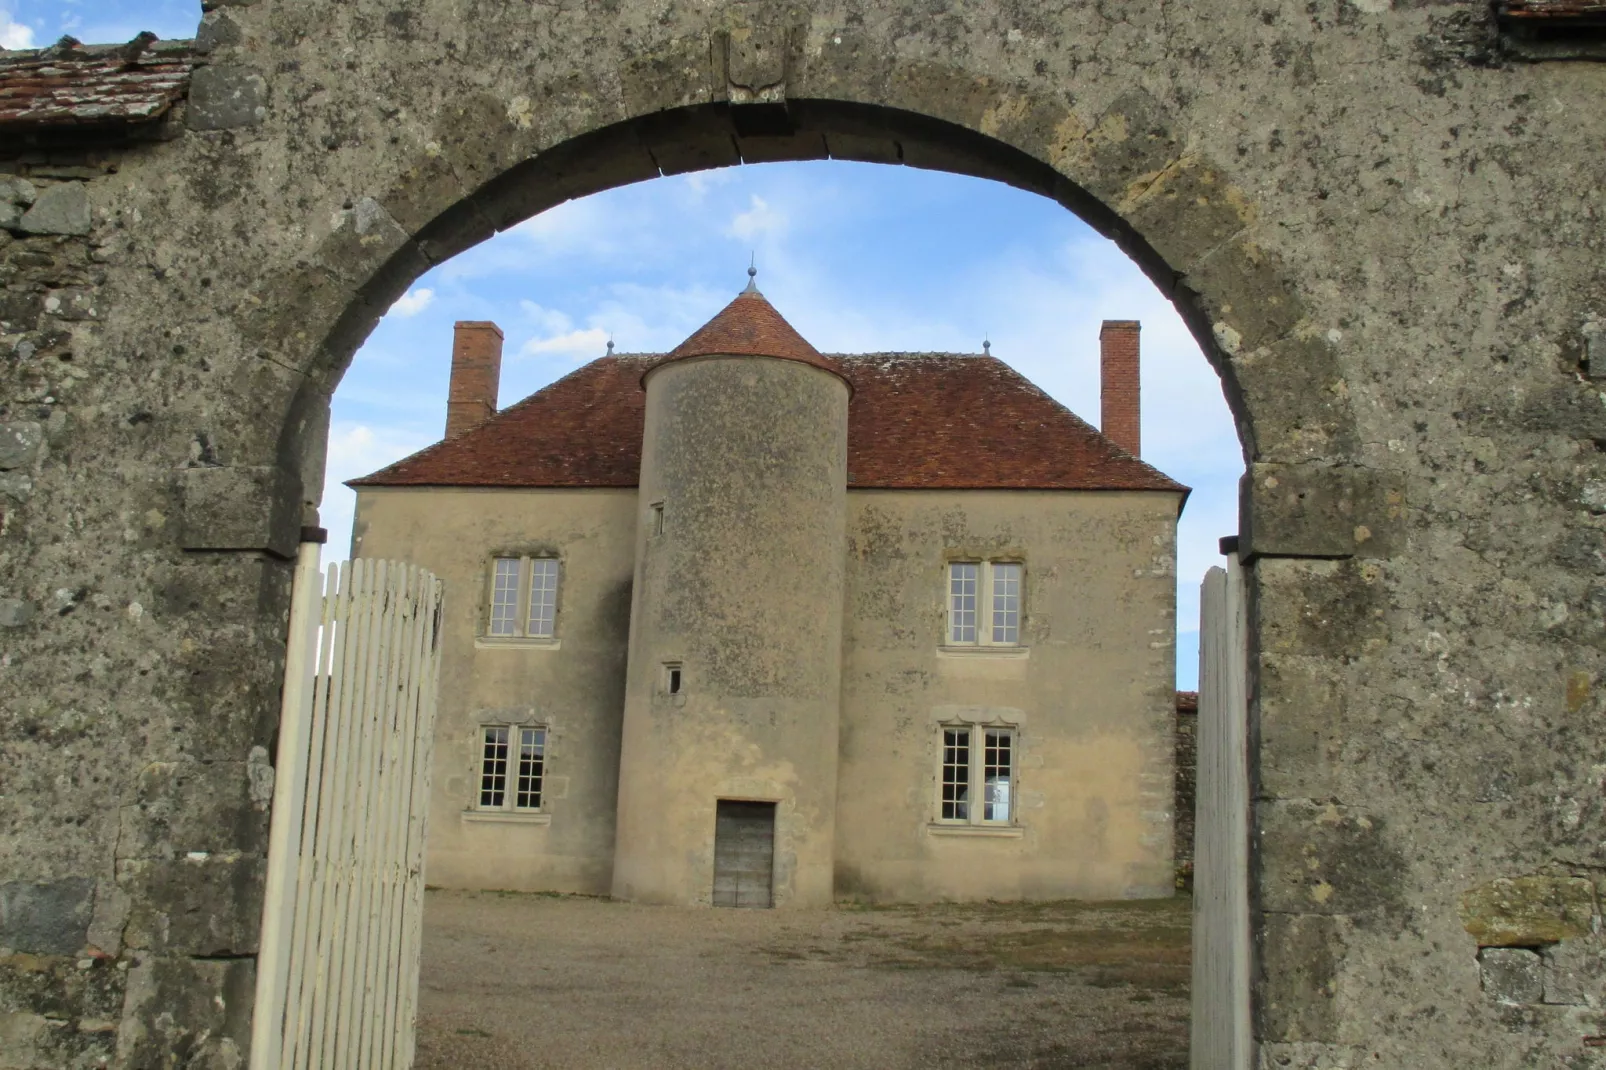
337 979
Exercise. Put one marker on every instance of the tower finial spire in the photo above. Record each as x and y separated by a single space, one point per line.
752 275
986 347
610 345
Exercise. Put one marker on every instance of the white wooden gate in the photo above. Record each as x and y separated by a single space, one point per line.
337 973
1221 941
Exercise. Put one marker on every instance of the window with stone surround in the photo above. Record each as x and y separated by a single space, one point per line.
976 775
524 598
984 603
512 767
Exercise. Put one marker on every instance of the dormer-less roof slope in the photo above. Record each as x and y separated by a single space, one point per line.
915 422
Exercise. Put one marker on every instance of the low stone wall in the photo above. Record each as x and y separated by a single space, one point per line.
1186 786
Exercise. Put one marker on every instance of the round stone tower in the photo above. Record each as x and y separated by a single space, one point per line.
727 774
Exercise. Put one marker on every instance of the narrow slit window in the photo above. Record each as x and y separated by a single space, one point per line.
532 756
543 597
505 597
1006 602
657 518
963 577
674 678
493 768
955 774
997 774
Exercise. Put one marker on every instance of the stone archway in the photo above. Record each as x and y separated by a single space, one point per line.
1399 336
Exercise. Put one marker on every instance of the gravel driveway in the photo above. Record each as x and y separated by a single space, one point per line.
520 982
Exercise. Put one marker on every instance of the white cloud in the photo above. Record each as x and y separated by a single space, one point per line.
14 34
759 220
413 302
579 345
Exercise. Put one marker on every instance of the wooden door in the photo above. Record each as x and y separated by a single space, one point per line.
744 854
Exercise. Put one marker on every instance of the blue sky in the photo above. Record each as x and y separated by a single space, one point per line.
858 257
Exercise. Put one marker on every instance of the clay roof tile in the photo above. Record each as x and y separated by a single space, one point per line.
749 327
916 421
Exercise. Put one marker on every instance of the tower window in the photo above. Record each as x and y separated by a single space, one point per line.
674 678
656 518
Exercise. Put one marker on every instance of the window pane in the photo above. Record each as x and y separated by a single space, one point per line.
532 760
997 773
505 597
1006 603
543 596
493 767
955 774
962 581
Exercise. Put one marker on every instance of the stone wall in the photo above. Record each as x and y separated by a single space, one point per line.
1185 786
1383 224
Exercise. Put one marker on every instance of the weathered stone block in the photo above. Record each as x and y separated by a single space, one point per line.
202 1009
208 905
183 807
1327 860
60 986
46 917
20 443
14 613
1303 725
1511 974
1528 911
1322 608
61 209
238 508
1573 972
364 238
18 191
1307 510
223 98
1299 957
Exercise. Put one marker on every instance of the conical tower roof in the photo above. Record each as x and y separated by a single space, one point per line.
750 327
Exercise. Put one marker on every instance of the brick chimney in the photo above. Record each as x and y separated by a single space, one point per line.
476 372
1118 383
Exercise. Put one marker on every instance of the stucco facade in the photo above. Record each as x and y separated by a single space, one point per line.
809 621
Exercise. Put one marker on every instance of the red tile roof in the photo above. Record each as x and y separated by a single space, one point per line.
916 421
750 327
71 85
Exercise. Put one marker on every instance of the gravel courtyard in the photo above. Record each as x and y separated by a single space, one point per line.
520 982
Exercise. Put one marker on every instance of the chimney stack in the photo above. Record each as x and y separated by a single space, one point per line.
1118 383
476 373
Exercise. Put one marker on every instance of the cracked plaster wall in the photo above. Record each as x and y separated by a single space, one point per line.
1386 232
